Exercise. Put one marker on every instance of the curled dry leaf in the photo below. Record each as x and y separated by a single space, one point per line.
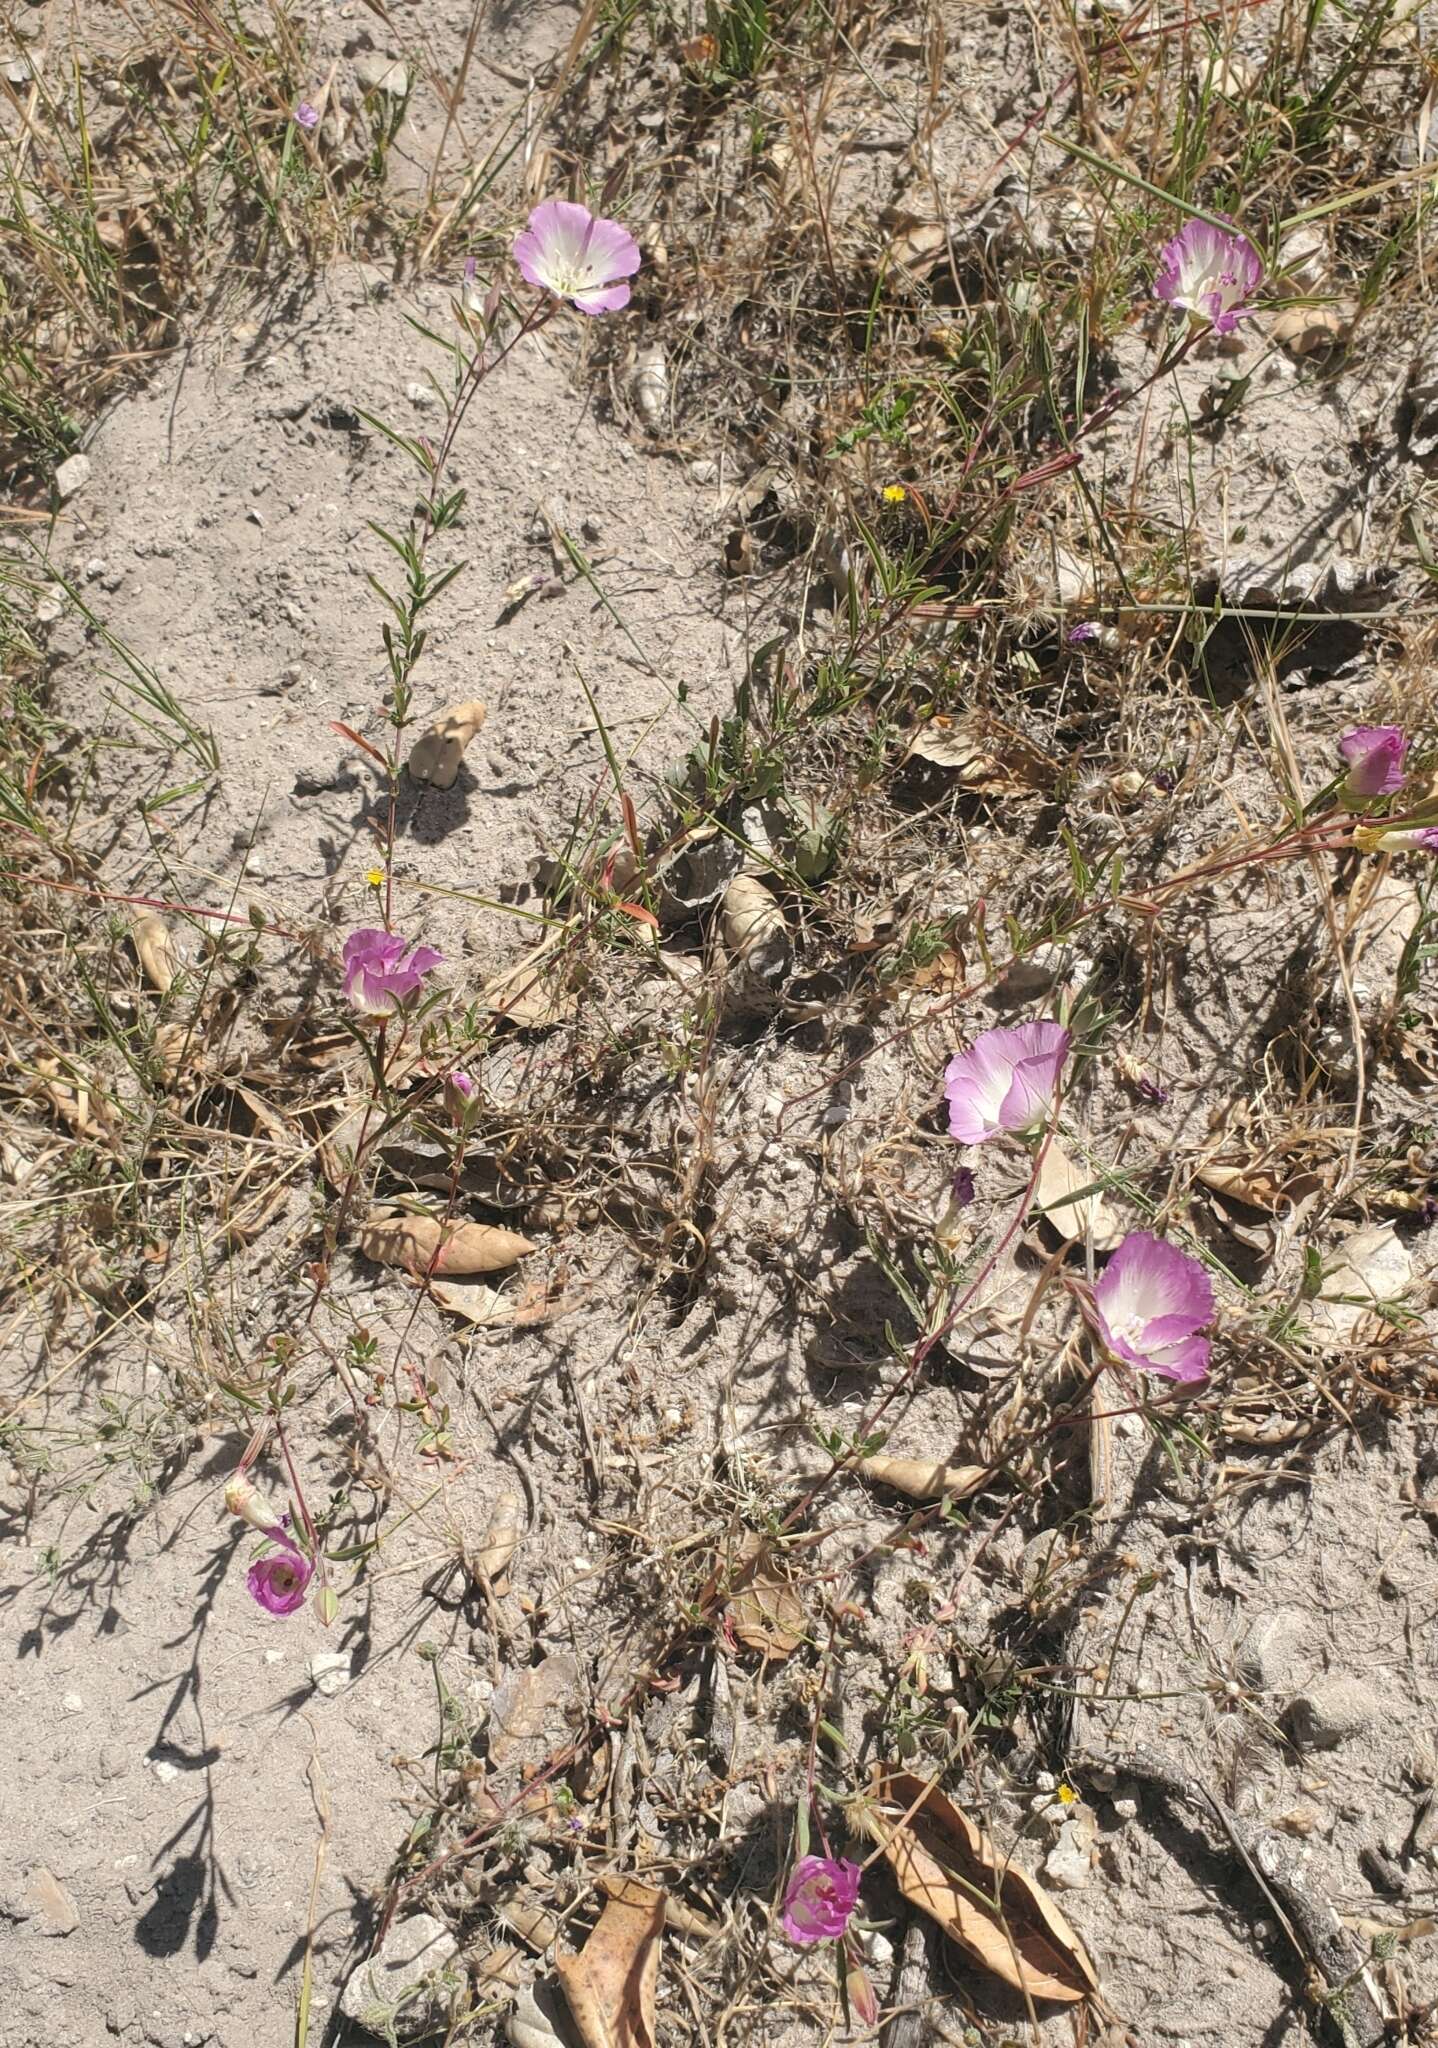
1059 1182
530 993
920 1479
766 1612
435 756
421 1245
755 931
1306 330
501 1539
611 1985
984 755
529 2026
649 388
155 950
984 1902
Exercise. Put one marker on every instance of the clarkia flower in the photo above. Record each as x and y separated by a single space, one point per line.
1086 630
1210 273
568 251
823 1892
1151 1301
306 116
278 1581
1401 839
382 970
1005 1081
1374 754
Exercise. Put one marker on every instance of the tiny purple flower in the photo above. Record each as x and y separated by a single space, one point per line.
1086 630
820 1899
1151 1301
1210 273
382 970
278 1581
1005 1081
1374 754
567 251
306 116
961 1190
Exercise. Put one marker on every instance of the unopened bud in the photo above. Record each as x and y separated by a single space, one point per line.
249 1504
862 2002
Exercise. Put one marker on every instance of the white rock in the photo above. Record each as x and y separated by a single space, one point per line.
72 476
421 394
72 1703
164 1770
1332 1711
330 1671
406 1988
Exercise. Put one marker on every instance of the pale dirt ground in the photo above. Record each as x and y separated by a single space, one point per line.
161 1729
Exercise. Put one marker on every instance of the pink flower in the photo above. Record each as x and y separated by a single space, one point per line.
1374 754
566 250
1403 839
1152 1300
1087 629
278 1581
306 116
383 970
459 1097
1210 273
822 1895
1005 1081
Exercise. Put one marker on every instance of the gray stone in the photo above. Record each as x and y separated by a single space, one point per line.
1332 1711
1270 1649
72 476
377 73
407 1987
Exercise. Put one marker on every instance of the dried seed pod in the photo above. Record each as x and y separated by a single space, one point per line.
755 931
421 1245
155 949
649 388
501 1539
435 756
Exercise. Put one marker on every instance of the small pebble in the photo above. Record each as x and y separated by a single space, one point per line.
330 1671
72 476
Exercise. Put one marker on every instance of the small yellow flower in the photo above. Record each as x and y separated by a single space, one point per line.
375 878
1067 1795
894 494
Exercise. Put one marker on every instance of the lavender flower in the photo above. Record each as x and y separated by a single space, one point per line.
820 1899
1151 1301
1210 273
278 1581
1374 754
567 251
1087 629
1005 1081
383 970
459 1098
306 116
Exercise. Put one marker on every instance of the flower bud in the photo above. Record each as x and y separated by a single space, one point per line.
862 2002
249 1504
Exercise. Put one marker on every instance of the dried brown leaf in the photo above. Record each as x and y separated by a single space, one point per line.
501 1539
528 994
612 1984
1059 1182
984 755
435 756
421 1245
755 931
763 1606
984 1902
155 949
920 1479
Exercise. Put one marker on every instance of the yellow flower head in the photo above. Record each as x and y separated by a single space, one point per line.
894 494
1067 1795
375 878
